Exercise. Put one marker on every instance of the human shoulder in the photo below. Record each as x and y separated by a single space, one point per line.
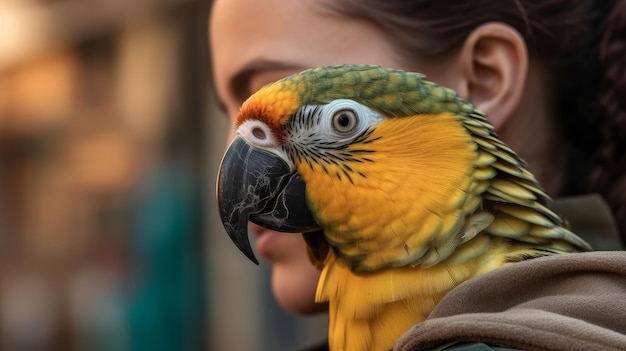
557 302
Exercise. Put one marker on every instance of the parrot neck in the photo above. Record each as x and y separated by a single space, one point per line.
371 311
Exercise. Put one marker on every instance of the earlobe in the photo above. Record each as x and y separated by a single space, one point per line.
494 61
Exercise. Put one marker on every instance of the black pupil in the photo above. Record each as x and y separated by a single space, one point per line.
344 120
259 133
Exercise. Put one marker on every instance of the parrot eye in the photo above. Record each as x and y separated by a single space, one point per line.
344 120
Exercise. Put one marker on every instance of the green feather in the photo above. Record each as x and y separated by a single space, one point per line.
393 93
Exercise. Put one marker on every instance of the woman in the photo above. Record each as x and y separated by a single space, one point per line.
539 69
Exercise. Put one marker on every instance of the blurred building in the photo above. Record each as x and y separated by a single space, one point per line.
101 115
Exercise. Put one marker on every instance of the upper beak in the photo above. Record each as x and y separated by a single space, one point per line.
258 186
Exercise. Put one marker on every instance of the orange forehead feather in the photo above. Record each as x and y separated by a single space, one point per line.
273 105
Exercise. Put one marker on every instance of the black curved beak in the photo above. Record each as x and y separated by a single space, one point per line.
258 186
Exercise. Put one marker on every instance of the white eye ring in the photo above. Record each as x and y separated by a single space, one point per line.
257 133
345 120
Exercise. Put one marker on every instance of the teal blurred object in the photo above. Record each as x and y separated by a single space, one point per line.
166 306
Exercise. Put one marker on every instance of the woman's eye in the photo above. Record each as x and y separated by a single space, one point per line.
344 120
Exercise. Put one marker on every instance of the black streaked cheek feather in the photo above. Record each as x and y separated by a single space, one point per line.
365 137
305 146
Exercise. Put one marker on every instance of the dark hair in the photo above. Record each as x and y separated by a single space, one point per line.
583 42
609 176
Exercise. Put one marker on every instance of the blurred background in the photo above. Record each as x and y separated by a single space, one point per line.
109 146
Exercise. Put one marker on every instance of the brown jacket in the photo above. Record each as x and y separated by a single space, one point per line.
565 302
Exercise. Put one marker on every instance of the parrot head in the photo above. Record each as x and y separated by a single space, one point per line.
356 151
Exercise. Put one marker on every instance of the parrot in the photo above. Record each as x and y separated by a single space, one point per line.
401 189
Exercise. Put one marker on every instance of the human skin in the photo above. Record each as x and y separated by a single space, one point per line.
257 42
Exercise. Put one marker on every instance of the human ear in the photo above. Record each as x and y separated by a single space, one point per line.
494 63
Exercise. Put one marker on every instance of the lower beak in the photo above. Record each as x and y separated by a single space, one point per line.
258 186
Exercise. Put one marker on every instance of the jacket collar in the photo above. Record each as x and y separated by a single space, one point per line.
590 217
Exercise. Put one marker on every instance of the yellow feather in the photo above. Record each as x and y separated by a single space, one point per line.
506 154
509 226
470 250
525 214
545 232
497 195
485 144
430 227
457 198
508 168
480 186
484 159
511 188
447 240
484 173
477 129
471 204
548 213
